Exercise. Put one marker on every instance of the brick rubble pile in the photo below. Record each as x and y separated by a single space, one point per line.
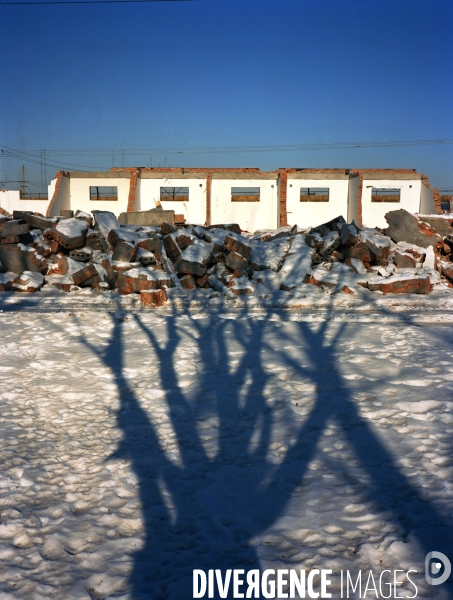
95 251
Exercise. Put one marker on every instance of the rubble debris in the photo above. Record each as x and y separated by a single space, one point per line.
69 233
400 284
153 298
219 261
28 281
155 216
18 258
404 227
13 228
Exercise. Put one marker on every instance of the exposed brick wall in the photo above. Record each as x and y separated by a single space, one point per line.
58 177
282 192
132 191
359 199
208 198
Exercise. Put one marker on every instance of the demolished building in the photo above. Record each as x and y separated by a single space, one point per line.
256 199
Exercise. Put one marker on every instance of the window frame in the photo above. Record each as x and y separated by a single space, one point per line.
103 197
382 195
173 197
314 194
245 193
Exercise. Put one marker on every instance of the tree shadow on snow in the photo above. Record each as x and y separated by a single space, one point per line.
205 505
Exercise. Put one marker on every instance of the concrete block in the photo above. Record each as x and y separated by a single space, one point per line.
124 251
18 258
13 228
69 233
147 217
404 227
238 243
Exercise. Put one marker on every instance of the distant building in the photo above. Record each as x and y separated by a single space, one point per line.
250 197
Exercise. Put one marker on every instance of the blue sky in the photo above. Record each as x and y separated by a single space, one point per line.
229 73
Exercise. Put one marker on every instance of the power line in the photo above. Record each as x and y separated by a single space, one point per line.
243 149
90 2
36 156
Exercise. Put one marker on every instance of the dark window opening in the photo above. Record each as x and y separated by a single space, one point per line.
314 194
245 194
385 195
103 192
174 194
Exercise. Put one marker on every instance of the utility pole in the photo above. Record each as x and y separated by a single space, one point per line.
42 184
23 181
45 172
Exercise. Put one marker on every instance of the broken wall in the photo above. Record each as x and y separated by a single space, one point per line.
262 214
193 209
373 213
60 198
426 200
10 200
80 191
311 214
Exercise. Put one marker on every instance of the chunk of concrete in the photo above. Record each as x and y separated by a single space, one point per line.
124 251
18 258
69 233
269 255
236 261
83 255
105 221
397 284
235 242
194 259
13 228
147 217
333 225
404 227
145 257
348 234
39 221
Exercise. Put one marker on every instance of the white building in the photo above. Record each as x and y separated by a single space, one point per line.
250 197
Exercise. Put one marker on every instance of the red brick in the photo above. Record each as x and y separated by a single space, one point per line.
153 298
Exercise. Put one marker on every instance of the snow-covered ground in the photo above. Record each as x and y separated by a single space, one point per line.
137 446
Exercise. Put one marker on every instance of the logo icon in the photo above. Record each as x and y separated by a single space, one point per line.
437 568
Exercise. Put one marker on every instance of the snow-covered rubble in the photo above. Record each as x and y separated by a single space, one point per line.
97 253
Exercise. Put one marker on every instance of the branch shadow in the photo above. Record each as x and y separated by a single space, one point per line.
204 504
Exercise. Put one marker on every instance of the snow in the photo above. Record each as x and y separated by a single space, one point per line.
139 445
71 227
269 255
198 252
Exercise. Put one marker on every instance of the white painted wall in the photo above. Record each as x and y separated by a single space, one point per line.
80 194
426 201
10 200
251 216
373 213
62 201
312 214
194 210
